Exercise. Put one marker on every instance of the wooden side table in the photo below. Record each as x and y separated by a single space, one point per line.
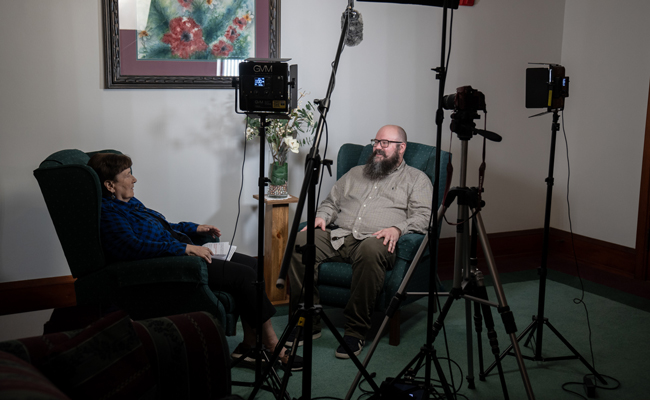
276 234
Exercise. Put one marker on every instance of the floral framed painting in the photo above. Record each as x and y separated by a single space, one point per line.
167 44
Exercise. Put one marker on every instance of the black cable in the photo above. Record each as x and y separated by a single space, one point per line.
592 376
451 26
573 248
582 288
241 187
455 390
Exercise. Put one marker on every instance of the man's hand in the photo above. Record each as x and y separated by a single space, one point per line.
318 223
199 251
390 236
208 230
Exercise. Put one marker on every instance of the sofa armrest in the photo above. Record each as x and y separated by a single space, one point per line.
189 355
21 380
180 269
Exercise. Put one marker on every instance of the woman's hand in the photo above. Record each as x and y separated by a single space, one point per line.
199 251
208 230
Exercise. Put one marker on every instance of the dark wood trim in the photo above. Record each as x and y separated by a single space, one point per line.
643 223
513 251
593 253
37 294
521 250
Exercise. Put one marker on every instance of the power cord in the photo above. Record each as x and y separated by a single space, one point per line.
241 187
589 382
413 375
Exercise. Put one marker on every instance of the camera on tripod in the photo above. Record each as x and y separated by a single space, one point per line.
465 103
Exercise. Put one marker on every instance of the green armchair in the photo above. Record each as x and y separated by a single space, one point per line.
145 288
334 278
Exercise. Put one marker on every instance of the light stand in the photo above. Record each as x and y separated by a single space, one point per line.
539 320
258 352
427 352
303 318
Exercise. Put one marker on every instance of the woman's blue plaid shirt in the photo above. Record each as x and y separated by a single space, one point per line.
131 231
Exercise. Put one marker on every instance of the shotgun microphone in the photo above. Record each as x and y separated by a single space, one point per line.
354 35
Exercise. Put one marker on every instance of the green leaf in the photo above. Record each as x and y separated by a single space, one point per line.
241 48
216 26
200 12
158 51
160 14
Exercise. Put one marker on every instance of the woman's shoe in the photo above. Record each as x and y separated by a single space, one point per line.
243 350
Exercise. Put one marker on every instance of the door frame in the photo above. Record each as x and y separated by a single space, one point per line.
642 267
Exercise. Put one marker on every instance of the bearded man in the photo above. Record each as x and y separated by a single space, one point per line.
360 221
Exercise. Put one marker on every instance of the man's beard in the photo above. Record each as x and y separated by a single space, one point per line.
376 170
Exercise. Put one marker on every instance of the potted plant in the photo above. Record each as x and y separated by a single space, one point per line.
284 135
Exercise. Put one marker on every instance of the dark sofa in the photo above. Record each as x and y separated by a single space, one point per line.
177 357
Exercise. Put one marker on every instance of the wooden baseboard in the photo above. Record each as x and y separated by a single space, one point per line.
593 253
512 251
526 248
37 294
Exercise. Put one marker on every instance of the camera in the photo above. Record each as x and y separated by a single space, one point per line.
465 99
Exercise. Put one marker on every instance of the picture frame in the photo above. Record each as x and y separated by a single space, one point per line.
122 69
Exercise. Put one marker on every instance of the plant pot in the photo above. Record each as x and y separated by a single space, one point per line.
278 175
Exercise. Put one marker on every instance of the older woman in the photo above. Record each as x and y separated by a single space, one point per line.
131 231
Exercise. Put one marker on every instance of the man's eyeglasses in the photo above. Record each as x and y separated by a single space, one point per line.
384 143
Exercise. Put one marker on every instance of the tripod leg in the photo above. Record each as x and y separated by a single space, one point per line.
292 355
478 328
531 335
470 347
296 320
428 353
506 315
481 293
575 352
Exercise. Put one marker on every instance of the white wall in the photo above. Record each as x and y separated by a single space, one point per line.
387 79
187 144
605 50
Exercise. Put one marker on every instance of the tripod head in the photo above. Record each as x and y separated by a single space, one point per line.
466 103
462 124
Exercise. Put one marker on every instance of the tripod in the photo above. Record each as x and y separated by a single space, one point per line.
466 283
539 321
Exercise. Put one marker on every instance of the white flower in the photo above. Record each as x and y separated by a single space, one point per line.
292 143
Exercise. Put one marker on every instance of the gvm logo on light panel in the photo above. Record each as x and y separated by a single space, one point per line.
263 68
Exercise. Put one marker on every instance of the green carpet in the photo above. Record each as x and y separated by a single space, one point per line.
619 330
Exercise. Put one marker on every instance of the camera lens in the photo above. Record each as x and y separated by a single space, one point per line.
448 101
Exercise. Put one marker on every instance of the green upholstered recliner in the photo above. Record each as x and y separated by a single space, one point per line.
334 278
145 288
